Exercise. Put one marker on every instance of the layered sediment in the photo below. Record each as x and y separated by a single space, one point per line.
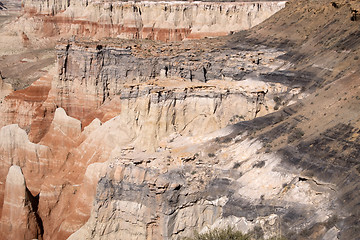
109 71
198 192
142 105
165 21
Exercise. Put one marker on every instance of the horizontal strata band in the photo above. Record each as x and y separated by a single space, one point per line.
165 21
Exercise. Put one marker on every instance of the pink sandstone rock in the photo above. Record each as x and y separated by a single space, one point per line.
18 218
16 149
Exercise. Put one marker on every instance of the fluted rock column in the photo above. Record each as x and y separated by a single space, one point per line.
19 219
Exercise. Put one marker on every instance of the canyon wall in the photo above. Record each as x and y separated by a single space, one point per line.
159 199
142 140
165 21
91 79
111 102
89 76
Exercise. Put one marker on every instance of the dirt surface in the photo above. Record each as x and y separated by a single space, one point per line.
319 135
20 63
320 36
22 69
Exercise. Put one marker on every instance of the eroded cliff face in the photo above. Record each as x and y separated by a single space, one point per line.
127 101
163 89
170 198
165 21
92 79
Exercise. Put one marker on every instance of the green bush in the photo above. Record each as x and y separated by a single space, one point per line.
221 234
295 135
228 234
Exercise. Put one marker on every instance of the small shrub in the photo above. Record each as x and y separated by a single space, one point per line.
259 164
221 234
237 118
296 134
231 234
226 140
237 165
278 102
277 99
334 4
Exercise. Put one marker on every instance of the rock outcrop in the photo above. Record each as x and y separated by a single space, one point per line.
19 219
35 160
188 195
166 21
21 106
62 136
144 114
142 106
5 89
107 71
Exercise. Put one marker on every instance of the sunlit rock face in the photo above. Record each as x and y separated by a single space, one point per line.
95 108
16 149
165 21
19 219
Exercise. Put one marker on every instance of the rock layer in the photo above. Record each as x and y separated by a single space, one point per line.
166 21
107 71
188 195
141 111
21 106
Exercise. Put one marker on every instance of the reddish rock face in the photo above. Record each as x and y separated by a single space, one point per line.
16 149
104 113
63 26
62 136
24 105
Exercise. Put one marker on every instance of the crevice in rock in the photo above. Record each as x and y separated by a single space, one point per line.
260 100
327 185
34 204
